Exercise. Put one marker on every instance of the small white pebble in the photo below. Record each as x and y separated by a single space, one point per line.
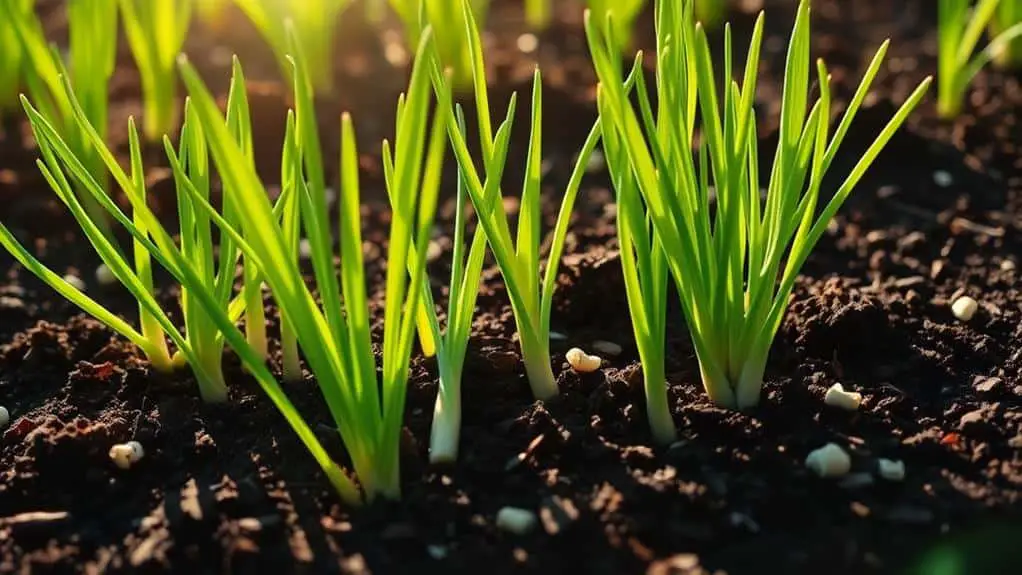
104 276
5 417
964 308
527 43
1007 265
829 461
891 470
305 248
124 455
516 520
607 347
437 552
330 195
433 251
75 281
942 178
581 361
557 336
596 162
837 397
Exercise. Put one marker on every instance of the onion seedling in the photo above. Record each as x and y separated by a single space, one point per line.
212 12
959 28
518 259
335 339
538 13
156 31
92 30
734 266
447 20
625 12
644 267
315 24
450 346
11 57
1009 13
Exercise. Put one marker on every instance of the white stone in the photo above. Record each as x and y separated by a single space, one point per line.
829 461
964 308
304 248
942 178
581 361
105 276
527 43
837 397
516 520
124 455
891 470
5 417
75 282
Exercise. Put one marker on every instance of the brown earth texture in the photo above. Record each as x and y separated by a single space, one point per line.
230 488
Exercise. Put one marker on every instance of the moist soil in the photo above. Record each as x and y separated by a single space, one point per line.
230 488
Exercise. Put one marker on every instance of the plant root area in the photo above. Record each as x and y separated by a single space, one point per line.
228 488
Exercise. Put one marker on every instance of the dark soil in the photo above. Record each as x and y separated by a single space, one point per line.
230 488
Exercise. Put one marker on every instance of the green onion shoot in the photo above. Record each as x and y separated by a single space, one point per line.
156 31
959 29
518 258
734 266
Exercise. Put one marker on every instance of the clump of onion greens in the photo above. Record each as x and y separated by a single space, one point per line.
447 20
960 26
92 48
11 55
336 339
518 258
156 31
734 266
1009 13
315 24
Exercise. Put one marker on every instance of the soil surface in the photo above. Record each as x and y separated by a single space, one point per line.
229 488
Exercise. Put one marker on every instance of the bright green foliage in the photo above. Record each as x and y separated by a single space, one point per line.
451 345
156 31
1009 13
538 13
518 259
644 267
212 12
625 12
92 48
335 338
447 20
734 266
11 55
205 288
710 13
315 24
959 29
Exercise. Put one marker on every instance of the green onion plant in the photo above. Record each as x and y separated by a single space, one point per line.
625 12
538 13
644 268
518 258
959 29
205 284
335 339
315 24
91 52
156 31
735 265
451 346
11 54
447 20
1009 13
